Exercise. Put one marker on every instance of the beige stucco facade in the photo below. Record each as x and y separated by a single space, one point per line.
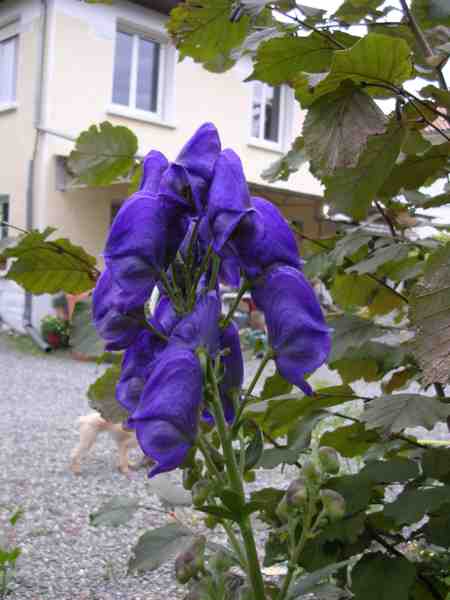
76 78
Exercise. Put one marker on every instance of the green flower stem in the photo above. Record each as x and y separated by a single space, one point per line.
244 288
254 570
215 473
267 357
306 532
214 272
170 291
200 271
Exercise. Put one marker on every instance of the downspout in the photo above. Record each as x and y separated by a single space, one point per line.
30 198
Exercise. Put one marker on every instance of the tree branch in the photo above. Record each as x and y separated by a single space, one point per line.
386 218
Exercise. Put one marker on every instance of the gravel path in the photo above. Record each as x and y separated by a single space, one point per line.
63 557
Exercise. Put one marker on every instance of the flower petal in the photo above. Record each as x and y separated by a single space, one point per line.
154 165
166 419
297 330
117 326
201 327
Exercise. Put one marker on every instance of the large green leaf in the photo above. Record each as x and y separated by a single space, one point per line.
396 412
352 11
159 545
380 577
436 463
351 440
275 385
203 30
350 290
308 583
375 59
430 13
103 153
394 252
348 245
415 171
370 361
83 336
350 331
47 267
352 191
437 530
337 127
279 60
430 316
117 511
102 396
412 504
442 97
291 162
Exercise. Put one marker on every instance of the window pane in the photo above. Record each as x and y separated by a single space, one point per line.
272 121
4 216
147 76
256 109
8 70
122 68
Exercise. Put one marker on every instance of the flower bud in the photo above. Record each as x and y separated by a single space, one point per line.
329 460
333 504
200 492
190 562
309 470
297 493
183 569
282 510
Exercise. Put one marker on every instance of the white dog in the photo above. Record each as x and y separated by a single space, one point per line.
93 424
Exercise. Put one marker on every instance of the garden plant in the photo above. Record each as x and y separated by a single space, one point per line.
377 532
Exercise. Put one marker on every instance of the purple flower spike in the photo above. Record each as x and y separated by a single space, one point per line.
297 330
228 198
136 366
166 419
144 238
114 324
153 168
259 247
201 327
198 156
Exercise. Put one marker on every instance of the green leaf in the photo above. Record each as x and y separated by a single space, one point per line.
299 438
351 440
279 60
202 29
374 59
268 499
350 290
418 170
441 97
436 463
370 361
282 168
430 315
47 267
351 332
385 301
430 13
102 396
272 457
395 470
394 413
437 530
83 336
352 11
159 545
411 505
380 577
254 450
348 245
308 583
102 154
117 511
275 385
394 252
356 489
352 191
337 127
399 380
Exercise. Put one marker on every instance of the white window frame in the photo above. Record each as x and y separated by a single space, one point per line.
9 32
285 119
166 71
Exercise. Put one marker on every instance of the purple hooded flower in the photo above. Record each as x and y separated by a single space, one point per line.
139 357
117 326
154 165
143 240
297 330
166 419
201 327
264 238
228 198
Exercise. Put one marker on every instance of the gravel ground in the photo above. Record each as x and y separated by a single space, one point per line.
63 557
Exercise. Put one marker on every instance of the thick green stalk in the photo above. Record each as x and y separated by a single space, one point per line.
226 321
254 570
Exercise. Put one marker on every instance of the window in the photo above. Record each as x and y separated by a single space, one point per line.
8 70
266 113
4 216
137 72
